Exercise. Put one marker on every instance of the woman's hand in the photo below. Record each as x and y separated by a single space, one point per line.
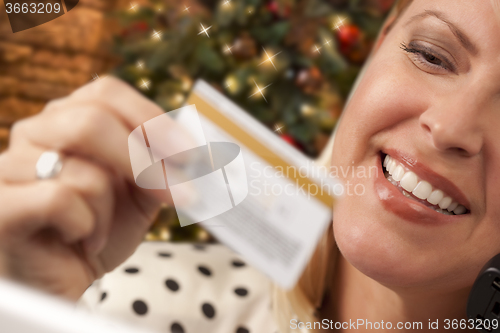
63 233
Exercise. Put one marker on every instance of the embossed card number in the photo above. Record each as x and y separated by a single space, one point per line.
29 14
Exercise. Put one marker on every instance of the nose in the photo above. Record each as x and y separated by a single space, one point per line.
453 123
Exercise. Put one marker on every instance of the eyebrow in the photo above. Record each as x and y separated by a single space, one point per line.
461 36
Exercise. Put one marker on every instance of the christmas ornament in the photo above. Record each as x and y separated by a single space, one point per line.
232 85
186 83
348 36
164 233
176 100
307 110
352 43
290 140
136 28
244 47
278 10
250 10
309 80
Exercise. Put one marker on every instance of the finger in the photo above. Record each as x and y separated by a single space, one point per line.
84 129
89 130
133 109
132 225
28 209
88 179
94 184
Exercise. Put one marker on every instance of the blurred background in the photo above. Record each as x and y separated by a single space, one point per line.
289 63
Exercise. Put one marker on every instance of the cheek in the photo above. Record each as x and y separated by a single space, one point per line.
386 96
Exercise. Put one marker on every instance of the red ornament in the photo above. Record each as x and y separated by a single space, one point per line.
349 37
278 12
291 141
140 26
135 28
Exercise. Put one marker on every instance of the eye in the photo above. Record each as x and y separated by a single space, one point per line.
427 59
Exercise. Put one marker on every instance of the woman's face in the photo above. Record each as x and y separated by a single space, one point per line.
430 99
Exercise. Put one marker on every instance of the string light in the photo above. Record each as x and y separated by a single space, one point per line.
156 35
259 90
269 58
145 84
204 30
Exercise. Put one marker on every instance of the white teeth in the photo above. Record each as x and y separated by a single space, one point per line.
409 181
391 166
452 206
445 202
435 197
398 173
386 160
459 210
423 190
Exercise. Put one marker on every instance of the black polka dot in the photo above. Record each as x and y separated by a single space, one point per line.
241 291
208 310
132 270
199 247
172 285
204 270
164 254
103 296
242 330
176 328
238 263
140 308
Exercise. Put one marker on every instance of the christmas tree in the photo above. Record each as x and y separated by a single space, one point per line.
291 64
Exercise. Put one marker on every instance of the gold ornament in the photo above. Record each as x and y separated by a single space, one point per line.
164 233
250 10
186 83
176 100
231 84
203 235
307 110
151 237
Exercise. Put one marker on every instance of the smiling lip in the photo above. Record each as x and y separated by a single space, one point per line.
408 209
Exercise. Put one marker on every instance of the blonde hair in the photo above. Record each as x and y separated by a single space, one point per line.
303 301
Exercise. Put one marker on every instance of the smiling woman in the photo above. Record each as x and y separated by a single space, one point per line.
410 249
401 254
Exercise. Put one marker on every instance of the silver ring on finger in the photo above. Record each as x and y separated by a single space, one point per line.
49 165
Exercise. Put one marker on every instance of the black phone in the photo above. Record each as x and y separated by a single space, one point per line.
483 305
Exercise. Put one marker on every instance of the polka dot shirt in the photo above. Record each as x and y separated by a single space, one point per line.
185 288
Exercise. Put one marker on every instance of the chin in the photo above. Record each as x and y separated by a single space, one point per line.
386 249
374 251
